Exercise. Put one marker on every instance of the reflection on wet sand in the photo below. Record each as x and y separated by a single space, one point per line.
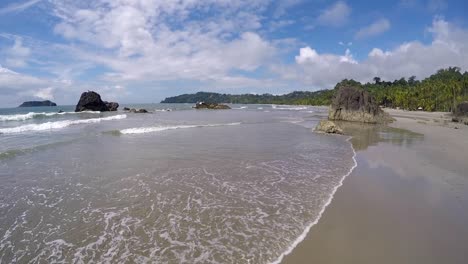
402 204
365 135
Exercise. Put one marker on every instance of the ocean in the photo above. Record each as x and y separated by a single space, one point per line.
176 185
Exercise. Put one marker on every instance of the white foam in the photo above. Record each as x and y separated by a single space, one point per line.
296 108
57 124
31 115
142 130
303 235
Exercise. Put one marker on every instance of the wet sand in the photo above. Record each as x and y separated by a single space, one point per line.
406 201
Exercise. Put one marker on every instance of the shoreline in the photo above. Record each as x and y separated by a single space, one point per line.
306 231
377 159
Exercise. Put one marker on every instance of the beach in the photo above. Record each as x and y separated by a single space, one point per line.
405 202
178 186
253 184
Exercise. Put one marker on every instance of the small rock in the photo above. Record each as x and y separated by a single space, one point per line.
329 127
112 106
138 111
203 105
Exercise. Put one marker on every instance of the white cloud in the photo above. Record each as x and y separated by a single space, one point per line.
18 7
46 93
14 85
276 25
341 43
336 15
374 29
159 40
283 6
449 47
437 5
17 55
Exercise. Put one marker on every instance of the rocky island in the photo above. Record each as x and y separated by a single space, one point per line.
37 103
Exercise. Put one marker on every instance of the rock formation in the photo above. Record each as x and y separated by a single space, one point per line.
37 103
462 109
461 113
112 106
91 101
355 104
133 110
329 127
202 105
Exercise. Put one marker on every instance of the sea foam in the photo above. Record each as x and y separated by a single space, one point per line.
57 124
31 115
142 130
289 107
306 231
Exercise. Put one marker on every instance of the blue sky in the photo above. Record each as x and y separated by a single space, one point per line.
144 50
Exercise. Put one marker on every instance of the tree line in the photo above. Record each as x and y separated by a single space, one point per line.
441 91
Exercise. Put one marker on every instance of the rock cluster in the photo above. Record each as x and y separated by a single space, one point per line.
91 101
203 105
357 105
329 127
134 110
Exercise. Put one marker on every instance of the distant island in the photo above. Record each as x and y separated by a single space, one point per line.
37 103
442 91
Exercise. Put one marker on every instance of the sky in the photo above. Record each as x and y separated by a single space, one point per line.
141 51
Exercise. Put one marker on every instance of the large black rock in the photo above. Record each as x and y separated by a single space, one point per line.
462 109
354 104
91 101
37 103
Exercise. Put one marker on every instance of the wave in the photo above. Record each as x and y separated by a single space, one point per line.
289 108
57 124
142 130
303 235
31 115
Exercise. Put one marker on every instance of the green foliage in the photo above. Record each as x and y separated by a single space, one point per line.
295 98
441 91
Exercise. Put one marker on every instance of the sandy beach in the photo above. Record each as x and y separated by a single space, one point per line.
405 202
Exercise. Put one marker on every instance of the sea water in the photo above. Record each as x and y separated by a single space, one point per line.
177 185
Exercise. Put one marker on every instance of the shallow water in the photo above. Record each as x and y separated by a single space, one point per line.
237 186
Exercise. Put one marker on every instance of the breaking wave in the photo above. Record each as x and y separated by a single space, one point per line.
142 130
289 107
57 124
31 115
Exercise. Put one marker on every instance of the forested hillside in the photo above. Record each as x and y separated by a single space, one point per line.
441 91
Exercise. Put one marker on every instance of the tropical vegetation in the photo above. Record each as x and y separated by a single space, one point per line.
441 91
